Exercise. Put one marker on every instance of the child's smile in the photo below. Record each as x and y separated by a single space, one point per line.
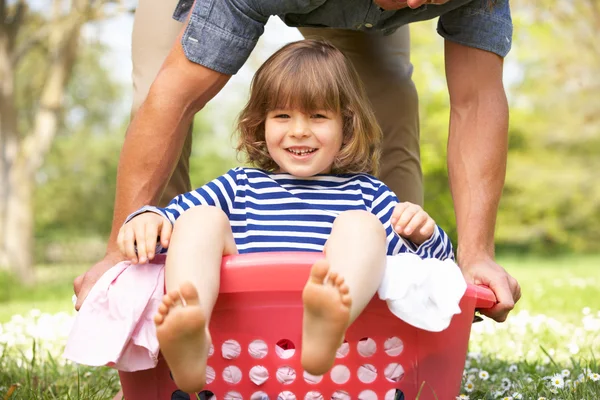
303 144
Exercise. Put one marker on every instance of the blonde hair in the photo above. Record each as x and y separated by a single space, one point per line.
311 75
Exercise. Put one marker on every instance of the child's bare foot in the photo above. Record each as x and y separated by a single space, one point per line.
183 337
326 316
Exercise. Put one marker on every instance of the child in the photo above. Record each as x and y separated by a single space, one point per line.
313 138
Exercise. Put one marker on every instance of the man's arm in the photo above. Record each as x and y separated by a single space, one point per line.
153 145
477 152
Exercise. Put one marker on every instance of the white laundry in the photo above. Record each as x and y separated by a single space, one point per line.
424 293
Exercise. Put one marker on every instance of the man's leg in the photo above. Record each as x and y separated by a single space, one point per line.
154 31
383 63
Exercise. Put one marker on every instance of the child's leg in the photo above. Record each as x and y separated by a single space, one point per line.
341 286
201 236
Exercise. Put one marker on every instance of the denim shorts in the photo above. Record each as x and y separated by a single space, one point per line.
221 34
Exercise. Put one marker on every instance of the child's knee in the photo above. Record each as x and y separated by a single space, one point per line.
202 216
359 221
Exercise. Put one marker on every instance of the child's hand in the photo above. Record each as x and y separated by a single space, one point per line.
141 232
410 221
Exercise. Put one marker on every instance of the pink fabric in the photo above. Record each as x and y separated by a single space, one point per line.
115 325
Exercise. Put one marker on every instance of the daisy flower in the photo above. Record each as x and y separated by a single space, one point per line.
484 375
558 381
469 386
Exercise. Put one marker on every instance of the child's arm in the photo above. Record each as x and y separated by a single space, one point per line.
220 193
411 222
137 237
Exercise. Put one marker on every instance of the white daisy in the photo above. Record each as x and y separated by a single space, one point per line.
469 387
506 384
594 376
565 373
558 381
484 375
513 368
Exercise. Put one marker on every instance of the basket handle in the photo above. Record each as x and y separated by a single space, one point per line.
484 295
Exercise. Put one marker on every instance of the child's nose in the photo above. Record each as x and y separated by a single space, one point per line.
300 128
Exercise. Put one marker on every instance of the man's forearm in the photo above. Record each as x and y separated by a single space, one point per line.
157 133
477 151
477 146
150 152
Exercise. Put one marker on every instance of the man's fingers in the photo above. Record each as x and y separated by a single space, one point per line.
504 296
77 284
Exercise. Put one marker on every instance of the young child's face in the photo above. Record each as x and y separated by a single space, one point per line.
303 144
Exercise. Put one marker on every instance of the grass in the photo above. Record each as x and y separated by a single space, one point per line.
522 357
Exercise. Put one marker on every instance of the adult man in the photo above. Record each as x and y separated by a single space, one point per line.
220 34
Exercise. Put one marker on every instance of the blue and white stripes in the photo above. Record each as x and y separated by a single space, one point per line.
280 212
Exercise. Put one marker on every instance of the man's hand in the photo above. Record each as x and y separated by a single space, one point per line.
506 288
412 222
84 282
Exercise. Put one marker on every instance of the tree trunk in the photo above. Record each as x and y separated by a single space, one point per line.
18 224
8 123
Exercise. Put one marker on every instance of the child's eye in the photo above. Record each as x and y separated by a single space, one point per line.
318 116
281 116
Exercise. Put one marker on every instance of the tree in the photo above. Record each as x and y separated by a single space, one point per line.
51 37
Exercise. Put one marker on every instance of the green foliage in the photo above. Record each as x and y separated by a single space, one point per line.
551 201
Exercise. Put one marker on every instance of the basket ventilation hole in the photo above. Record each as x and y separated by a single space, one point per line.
367 373
211 350
258 349
232 375
231 349
258 374
393 346
286 395
340 395
312 379
343 350
394 372
259 396
366 347
286 375
390 394
210 374
233 396
313 395
340 374
367 395
206 395
285 348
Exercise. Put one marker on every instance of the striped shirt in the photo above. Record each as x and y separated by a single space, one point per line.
281 212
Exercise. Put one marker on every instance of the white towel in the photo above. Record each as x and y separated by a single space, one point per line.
424 293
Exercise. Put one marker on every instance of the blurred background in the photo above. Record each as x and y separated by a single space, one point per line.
64 107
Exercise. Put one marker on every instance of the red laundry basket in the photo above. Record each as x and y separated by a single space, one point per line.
260 299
